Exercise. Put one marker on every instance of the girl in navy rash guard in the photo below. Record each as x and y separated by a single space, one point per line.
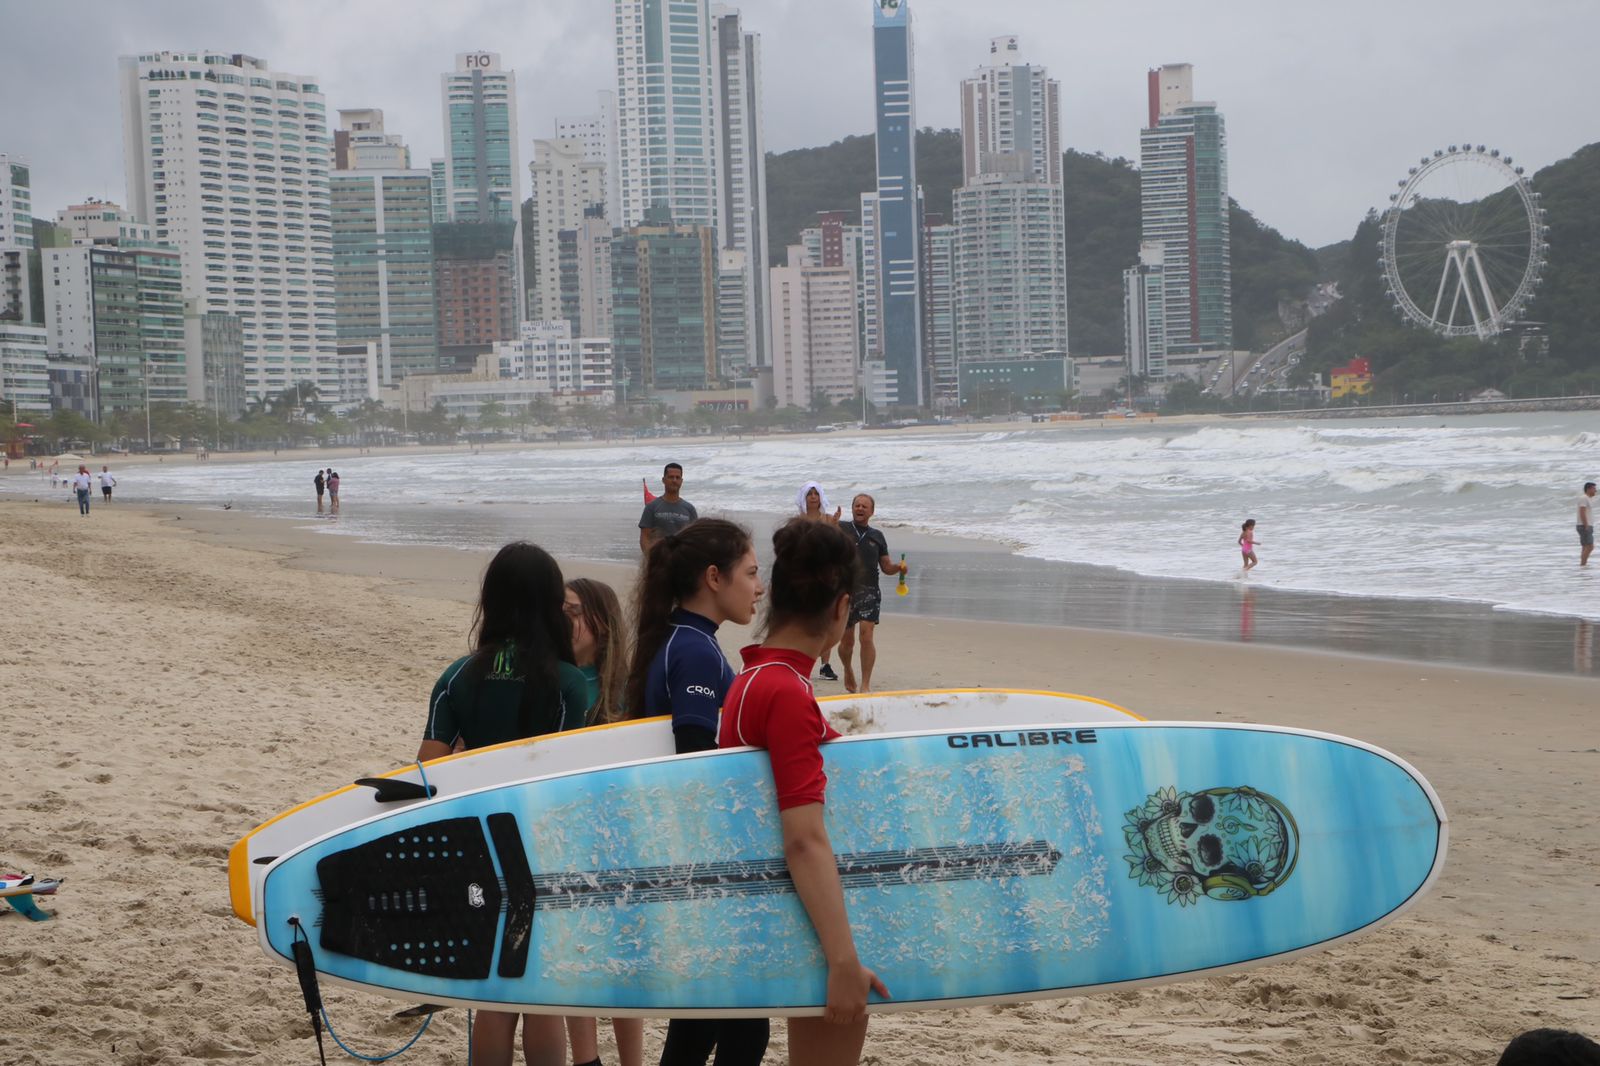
771 706
691 584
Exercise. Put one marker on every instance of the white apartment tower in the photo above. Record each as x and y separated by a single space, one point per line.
228 160
566 182
666 111
598 134
16 238
743 171
1010 108
1010 214
815 346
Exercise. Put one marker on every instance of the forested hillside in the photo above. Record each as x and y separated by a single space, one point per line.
1409 361
1102 201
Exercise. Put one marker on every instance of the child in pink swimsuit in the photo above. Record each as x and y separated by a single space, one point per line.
1247 543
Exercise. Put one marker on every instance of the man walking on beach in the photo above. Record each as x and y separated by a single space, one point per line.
1586 522
82 485
318 481
667 513
107 483
867 600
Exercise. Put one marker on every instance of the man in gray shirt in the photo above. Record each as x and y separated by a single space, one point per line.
667 513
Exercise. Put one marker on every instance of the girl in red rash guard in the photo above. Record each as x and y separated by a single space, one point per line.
770 705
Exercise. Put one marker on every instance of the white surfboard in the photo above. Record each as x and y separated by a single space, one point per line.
647 738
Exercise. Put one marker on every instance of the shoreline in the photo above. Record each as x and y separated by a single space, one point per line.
184 677
964 580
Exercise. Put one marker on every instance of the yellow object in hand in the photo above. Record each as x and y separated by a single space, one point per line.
900 589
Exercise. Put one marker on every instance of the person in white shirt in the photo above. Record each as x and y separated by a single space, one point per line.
81 485
1586 509
107 483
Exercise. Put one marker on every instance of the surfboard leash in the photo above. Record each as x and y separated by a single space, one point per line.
306 969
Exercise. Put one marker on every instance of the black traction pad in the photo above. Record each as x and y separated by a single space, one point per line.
425 900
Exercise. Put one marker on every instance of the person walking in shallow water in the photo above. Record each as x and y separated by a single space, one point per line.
1586 523
319 481
1247 544
107 483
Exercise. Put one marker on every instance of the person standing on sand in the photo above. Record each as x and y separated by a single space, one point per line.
82 485
518 682
1247 544
1586 523
866 601
107 483
812 503
667 513
333 490
319 481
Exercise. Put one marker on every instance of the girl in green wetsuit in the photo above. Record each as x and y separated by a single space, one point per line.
519 681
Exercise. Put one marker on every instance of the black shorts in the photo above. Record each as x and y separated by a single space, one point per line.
865 606
1586 536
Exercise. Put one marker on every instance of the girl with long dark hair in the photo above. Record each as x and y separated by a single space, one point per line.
519 681
692 583
770 705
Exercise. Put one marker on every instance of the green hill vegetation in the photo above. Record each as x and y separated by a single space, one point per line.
1410 362
1102 201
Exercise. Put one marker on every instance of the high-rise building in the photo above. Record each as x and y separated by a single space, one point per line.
1143 313
666 111
1010 109
229 160
586 275
598 134
566 182
383 249
16 239
1183 167
663 305
475 289
114 305
481 175
441 202
24 370
897 237
939 241
216 376
741 142
361 144
815 346
1010 214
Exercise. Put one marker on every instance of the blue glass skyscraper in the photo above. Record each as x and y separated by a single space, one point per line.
899 243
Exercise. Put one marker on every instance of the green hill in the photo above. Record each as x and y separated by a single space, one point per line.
1409 361
1102 201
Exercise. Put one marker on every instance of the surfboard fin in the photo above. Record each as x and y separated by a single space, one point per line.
25 906
419 1011
394 789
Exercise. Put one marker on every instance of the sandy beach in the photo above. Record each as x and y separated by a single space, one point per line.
174 676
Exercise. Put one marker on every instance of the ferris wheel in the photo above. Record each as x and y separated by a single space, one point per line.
1464 242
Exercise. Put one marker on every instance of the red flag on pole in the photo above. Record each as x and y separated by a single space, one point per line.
648 495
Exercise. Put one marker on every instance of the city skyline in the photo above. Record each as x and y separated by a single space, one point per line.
1325 112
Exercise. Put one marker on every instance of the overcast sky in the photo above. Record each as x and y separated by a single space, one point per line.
1326 104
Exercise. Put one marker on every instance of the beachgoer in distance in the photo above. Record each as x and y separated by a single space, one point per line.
1247 543
1586 511
771 705
333 490
81 484
319 481
107 483
600 648
812 503
518 682
691 583
668 513
866 602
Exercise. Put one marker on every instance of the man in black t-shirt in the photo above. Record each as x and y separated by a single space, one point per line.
866 601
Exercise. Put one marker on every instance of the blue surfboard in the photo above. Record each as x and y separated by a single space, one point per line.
978 866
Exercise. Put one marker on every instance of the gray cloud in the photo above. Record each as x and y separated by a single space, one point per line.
1326 104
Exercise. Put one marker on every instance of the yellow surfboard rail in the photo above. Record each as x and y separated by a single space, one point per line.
239 854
